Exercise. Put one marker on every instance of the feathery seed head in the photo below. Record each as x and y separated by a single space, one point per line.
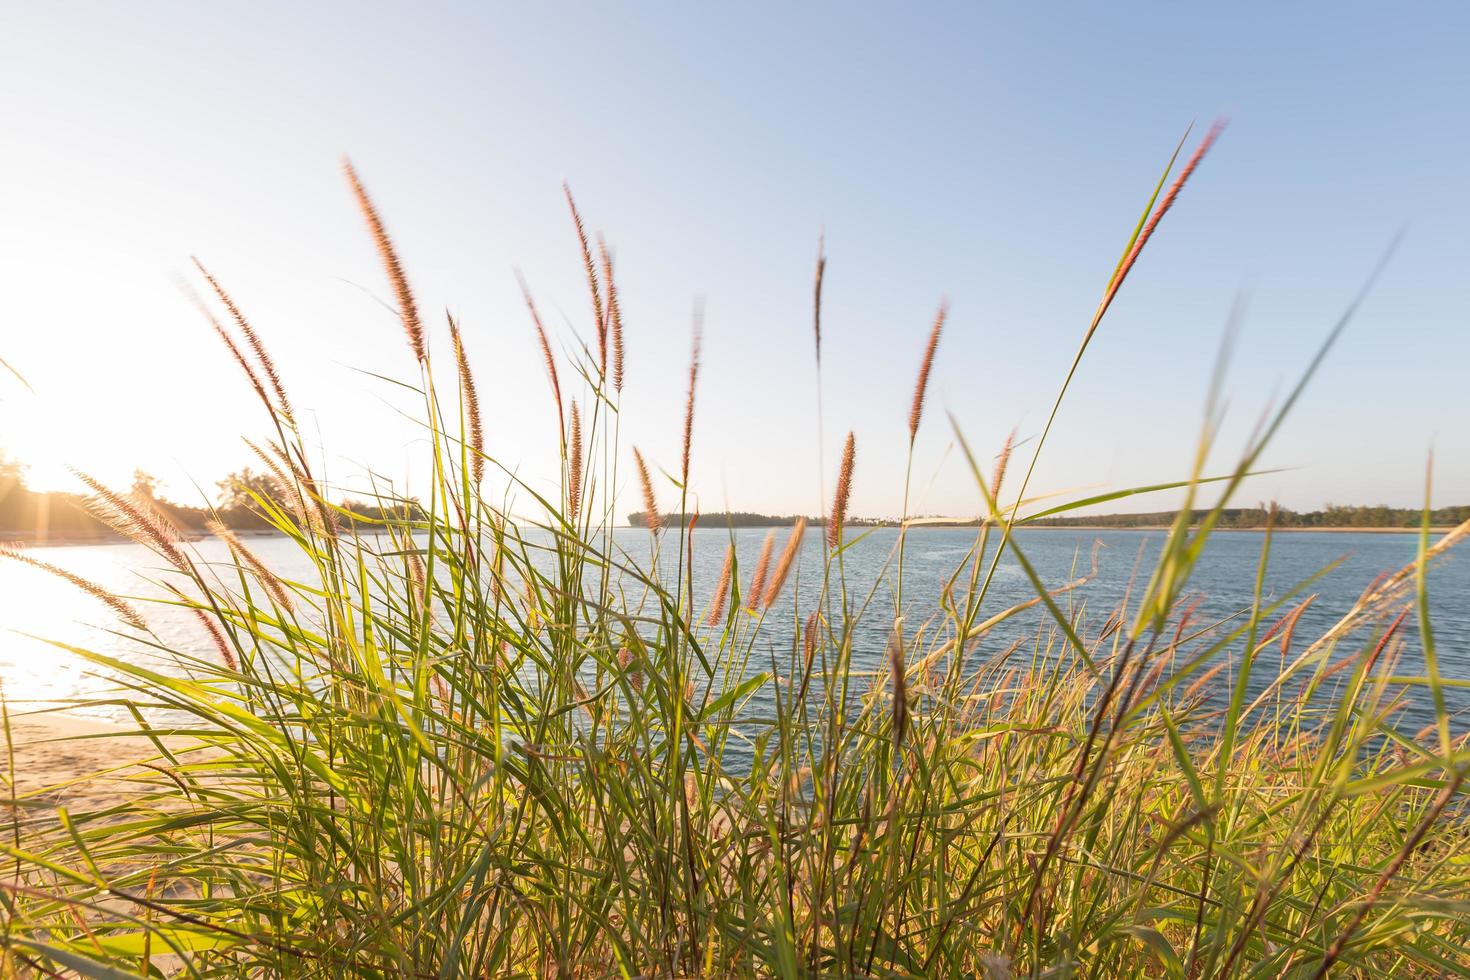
921 387
614 314
234 350
574 464
1000 466
650 503
809 642
689 401
722 590
267 579
762 568
898 672
625 664
598 316
408 310
207 622
141 523
817 296
1153 222
784 565
253 339
118 605
844 490
471 403
545 352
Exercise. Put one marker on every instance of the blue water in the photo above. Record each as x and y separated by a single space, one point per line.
1222 586
34 603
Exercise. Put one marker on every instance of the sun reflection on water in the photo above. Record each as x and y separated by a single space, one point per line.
40 614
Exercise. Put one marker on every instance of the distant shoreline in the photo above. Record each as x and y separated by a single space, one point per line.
938 525
34 541
1375 519
1434 529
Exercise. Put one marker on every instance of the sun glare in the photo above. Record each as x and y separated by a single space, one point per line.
48 437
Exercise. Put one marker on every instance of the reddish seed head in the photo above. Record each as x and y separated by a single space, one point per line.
123 609
574 463
788 559
614 314
471 404
407 309
625 664
650 503
545 352
253 339
1153 222
592 284
921 387
722 590
689 401
762 567
817 299
844 490
1000 466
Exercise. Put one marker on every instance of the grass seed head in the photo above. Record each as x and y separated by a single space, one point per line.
921 387
722 590
574 463
121 607
471 404
689 400
762 568
650 502
599 318
787 561
897 671
408 310
614 314
844 491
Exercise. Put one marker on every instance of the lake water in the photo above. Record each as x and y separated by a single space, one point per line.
35 606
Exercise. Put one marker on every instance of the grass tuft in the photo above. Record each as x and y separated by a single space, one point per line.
466 742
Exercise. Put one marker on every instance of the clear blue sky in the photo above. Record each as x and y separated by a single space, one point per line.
994 153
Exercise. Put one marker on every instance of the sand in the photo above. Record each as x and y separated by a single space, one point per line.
66 760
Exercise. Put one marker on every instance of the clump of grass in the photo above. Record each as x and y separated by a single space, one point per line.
478 744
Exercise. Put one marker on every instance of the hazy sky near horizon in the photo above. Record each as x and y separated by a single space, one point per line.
996 154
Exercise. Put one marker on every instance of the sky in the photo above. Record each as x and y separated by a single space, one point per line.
994 154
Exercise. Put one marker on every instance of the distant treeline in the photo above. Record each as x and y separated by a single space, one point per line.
31 515
1331 516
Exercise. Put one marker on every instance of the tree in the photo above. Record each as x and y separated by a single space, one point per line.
237 492
145 486
12 471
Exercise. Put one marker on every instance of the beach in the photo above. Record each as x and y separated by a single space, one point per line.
61 759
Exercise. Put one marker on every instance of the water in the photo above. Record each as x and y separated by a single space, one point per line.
35 606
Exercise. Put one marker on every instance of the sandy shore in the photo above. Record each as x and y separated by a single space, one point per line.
79 763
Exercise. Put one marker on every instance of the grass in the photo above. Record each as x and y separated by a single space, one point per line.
470 745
